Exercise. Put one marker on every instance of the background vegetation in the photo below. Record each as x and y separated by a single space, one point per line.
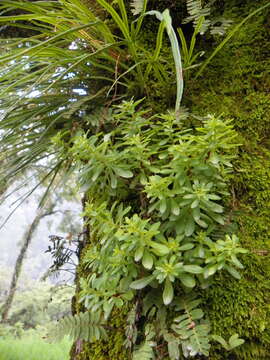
131 159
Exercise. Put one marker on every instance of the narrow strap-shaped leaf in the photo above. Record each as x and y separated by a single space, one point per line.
165 16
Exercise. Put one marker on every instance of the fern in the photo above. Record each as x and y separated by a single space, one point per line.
131 329
219 26
193 333
84 326
196 11
145 351
137 6
173 345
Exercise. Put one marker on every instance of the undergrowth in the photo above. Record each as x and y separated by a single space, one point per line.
33 348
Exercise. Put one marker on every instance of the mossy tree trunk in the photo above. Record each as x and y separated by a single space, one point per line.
235 84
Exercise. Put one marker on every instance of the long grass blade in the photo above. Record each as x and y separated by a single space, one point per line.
165 16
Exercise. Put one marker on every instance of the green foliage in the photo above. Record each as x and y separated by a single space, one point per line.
63 50
145 351
188 51
229 36
113 347
168 238
242 306
36 304
197 11
86 326
193 335
158 190
15 331
32 348
233 341
121 65
166 22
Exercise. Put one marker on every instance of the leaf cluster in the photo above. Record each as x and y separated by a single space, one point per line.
52 80
168 236
157 189
60 78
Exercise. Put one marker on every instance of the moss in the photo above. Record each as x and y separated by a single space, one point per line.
244 306
113 348
236 84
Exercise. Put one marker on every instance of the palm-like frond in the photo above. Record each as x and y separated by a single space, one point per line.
52 80
46 76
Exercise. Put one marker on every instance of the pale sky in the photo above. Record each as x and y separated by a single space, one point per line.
11 234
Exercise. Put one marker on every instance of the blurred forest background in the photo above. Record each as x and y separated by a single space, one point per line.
41 297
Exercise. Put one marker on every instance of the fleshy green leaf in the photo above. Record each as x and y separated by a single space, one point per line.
168 292
113 182
123 173
196 314
188 280
139 254
236 262
159 249
190 226
147 260
233 272
209 271
235 341
220 339
175 207
142 283
186 247
193 269
162 206
214 207
173 349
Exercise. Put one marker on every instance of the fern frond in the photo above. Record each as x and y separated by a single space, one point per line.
84 326
145 352
173 345
137 6
196 11
131 329
193 333
220 26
